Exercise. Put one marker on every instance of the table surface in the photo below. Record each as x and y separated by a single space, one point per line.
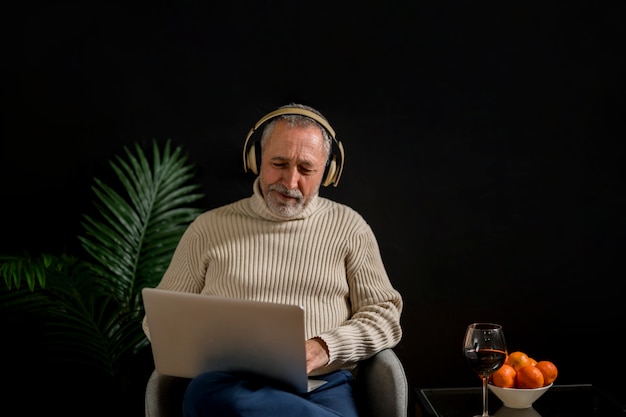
581 400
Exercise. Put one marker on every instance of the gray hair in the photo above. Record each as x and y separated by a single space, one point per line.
298 120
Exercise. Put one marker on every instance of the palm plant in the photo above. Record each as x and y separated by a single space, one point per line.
92 308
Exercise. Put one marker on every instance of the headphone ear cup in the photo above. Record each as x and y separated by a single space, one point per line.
251 159
331 173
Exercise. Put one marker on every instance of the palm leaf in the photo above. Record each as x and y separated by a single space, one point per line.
134 242
92 310
60 304
16 269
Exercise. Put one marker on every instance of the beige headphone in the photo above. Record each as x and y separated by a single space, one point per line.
334 167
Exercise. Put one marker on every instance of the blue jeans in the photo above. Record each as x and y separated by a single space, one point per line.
225 394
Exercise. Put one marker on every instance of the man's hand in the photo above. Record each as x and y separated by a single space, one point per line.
316 354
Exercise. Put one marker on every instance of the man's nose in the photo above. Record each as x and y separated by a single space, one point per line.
290 178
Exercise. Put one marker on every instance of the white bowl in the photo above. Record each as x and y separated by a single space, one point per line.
518 397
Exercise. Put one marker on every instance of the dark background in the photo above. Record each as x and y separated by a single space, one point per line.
484 145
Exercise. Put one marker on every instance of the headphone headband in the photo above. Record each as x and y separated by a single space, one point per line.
249 155
292 110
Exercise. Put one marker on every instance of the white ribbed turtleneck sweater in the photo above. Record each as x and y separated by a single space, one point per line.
326 260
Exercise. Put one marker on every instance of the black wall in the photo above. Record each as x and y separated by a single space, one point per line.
484 145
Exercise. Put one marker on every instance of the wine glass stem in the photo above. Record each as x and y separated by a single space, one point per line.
485 392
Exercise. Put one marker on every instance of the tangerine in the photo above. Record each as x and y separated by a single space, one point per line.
549 371
504 377
532 361
529 377
517 360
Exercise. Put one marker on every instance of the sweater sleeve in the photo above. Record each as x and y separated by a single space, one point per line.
375 305
186 270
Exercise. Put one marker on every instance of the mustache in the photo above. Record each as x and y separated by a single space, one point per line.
285 191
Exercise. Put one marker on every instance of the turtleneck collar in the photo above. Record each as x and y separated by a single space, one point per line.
258 204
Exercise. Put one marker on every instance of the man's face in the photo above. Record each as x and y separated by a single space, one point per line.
292 165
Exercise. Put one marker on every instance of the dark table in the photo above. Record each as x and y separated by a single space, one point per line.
581 400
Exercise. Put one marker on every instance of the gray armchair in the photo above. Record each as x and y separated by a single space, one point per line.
381 389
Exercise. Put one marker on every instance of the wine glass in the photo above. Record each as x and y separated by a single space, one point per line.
485 350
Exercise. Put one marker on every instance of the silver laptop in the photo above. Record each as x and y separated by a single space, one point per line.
193 333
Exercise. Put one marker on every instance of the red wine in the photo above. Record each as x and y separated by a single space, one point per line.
485 361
